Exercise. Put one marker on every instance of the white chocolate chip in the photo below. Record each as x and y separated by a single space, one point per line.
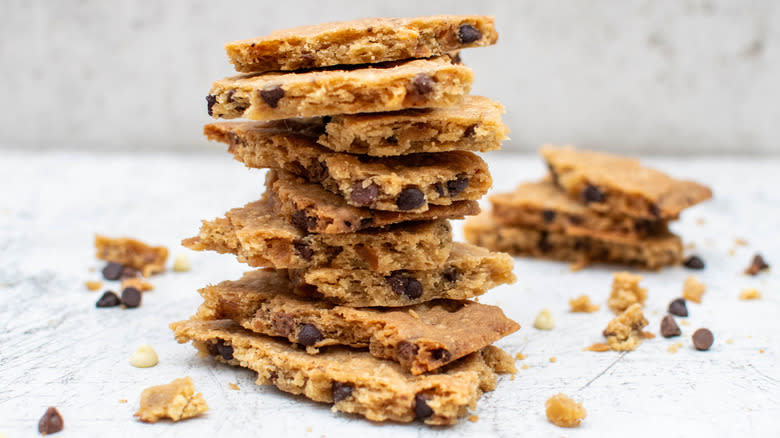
182 263
544 320
144 357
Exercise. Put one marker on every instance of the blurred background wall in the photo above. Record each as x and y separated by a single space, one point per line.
654 76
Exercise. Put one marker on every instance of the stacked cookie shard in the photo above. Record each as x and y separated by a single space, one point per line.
592 207
362 297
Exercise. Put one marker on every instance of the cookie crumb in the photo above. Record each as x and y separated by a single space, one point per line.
674 347
473 418
182 263
525 366
693 289
740 242
544 320
582 304
520 356
626 292
624 332
757 265
598 347
137 283
413 314
684 322
176 400
701 221
562 411
144 357
309 429
122 400
553 359
750 294
732 251
648 335
92 286
729 341
133 253
233 386
51 422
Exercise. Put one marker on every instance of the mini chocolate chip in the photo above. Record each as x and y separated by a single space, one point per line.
303 249
364 196
441 354
458 185
702 339
309 335
756 265
421 408
318 172
678 308
112 271
450 273
410 198
340 391
422 83
229 96
131 297
548 216
392 139
108 299
51 422
406 351
654 210
224 350
669 328
301 220
403 284
592 193
210 102
468 33
694 262
283 323
439 187
470 131
272 95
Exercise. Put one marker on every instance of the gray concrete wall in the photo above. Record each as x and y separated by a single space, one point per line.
627 75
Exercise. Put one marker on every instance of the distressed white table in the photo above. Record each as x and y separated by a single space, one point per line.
57 349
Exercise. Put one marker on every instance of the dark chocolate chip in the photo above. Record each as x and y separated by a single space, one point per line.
309 335
108 299
301 220
457 185
403 284
392 139
450 273
470 131
468 33
756 265
574 220
131 297
422 83
678 307
654 210
439 187
406 351
283 323
307 60
303 249
694 262
548 216
669 328
229 96
364 196
51 422
326 119
272 95
456 59
410 198
210 102
702 339
543 244
112 271
421 408
592 193
224 350
441 354
340 391
318 172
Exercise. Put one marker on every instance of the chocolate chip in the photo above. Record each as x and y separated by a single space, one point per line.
543 244
439 187
317 172
470 131
694 262
403 284
450 273
678 307
392 139
592 194
51 422
406 351
422 83
669 328
131 297
301 220
340 391
456 59
364 196
224 350
309 335
229 96
548 216
303 249
112 271
108 299
210 102
574 220
272 95
702 339
410 198
468 33
307 60
654 210
441 354
421 408
757 265
283 323
458 185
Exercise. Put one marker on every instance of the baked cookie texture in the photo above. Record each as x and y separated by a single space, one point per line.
261 238
406 183
369 40
176 400
421 83
614 184
421 338
352 380
131 253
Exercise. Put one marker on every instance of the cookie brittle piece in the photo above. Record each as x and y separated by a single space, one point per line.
421 338
613 184
312 208
624 332
261 238
176 400
131 253
364 41
650 253
353 380
406 183
422 83
469 272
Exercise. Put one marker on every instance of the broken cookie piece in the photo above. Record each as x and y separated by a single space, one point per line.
176 400
582 304
693 289
624 332
562 411
131 253
626 291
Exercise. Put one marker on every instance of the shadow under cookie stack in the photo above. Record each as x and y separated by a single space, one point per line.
362 299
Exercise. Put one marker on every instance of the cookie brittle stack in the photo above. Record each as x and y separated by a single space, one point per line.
592 207
362 299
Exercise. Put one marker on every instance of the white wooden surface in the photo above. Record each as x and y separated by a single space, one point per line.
57 349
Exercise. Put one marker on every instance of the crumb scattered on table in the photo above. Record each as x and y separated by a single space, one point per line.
598 347
729 341
122 400
133 253
674 347
693 289
582 304
740 242
525 366
624 332
562 411
473 418
750 294
553 359
520 356
626 291
176 400
233 386
93 285
137 283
